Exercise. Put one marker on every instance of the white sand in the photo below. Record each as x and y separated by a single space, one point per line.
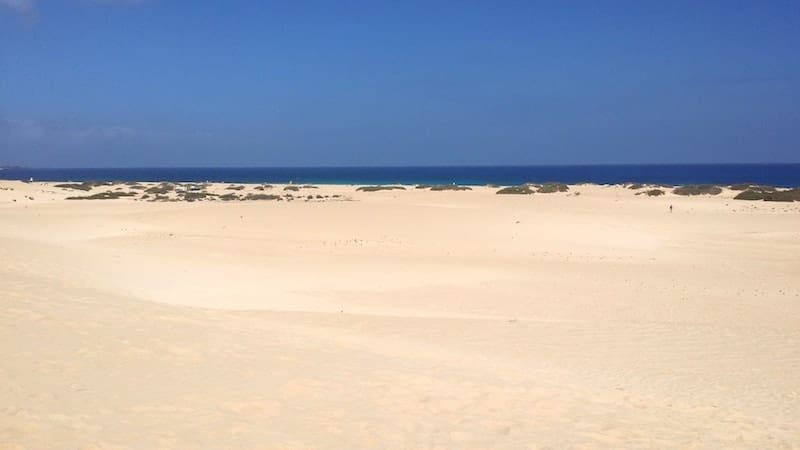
403 319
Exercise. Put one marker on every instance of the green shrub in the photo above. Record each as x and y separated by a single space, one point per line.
75 186
192 196
162 188
262 197
753 187
291 188
521 190
229 197
697 189
235 188
635 186
790 195
450 187
110 195
651 192
379 188
549 188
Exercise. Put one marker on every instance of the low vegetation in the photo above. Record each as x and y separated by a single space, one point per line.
379 188
549 188
753 187
291 188
262 197
235 187
635 186
194 196
110 195
450 187
697 189
519 190
85 186
790 195
161 188
651 192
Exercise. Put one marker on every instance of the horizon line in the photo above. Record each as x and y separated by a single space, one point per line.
403 166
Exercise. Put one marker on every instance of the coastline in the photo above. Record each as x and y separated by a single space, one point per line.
398 318
784 175
14 191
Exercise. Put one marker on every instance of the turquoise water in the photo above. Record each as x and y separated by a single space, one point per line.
770 174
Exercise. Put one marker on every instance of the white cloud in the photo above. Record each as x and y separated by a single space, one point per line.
20 6
28 7
61 133
119 2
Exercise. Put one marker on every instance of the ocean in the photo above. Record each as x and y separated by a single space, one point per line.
786 175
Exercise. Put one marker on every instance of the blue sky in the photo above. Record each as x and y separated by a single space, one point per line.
113 83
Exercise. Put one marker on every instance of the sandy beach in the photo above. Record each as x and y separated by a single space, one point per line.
402 319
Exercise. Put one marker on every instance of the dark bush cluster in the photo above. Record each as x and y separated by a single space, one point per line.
549 188
697 189
752 187
520 190
790 195
651 192
379 188
193 196
261 197
85 186
111 195
450 187
161 188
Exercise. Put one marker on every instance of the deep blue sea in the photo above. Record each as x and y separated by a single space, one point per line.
787 175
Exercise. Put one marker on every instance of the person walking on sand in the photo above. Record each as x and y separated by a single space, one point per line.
670 208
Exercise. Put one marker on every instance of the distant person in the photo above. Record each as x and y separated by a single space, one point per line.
670 208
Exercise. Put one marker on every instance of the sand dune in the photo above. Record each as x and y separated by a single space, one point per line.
399 319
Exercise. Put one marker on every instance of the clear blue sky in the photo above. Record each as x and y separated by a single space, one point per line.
98 83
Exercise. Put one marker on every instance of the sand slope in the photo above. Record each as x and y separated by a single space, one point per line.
404 319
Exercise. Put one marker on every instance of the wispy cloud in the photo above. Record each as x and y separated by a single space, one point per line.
19 6
118 2
64 133
28 7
